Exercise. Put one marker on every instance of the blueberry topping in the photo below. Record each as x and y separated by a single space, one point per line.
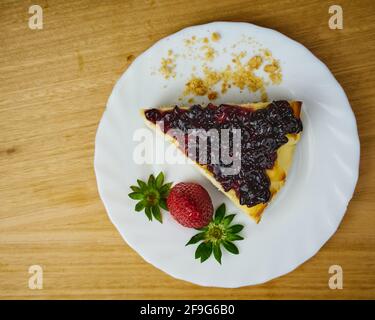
263 131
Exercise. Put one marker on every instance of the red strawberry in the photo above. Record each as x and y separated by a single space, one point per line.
190 205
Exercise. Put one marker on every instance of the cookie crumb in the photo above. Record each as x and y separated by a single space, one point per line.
273 69
209 54
224 87
215 36
267 53
241 73
276 78
196 86
167 68
212 95
255 62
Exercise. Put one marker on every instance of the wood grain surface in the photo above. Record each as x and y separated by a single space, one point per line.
54 84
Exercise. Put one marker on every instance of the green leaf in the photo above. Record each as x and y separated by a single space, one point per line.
198 237
156 213
163 204
235 228
228 219
135 188
199 250
164 190
148 204
151 181
219 214
231 247
136 195
148 213
151 196
217 252
233 237
159 180
140 206
207 252
142 185
212 242
203 251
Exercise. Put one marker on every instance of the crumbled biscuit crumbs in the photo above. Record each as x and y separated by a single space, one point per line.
191 41
274 71
215 36
276 78
255 62
224 87
196 86
267 53
209 54
212 95
270 68
167 68
241 75
211 77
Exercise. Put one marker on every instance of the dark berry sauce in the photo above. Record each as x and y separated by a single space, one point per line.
263 131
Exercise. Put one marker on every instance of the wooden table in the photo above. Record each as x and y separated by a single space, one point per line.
54 84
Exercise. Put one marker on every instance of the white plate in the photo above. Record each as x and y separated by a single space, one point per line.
306 212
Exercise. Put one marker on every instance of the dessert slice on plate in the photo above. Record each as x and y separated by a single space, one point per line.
248 150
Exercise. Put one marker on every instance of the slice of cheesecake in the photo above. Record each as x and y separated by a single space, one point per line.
260 141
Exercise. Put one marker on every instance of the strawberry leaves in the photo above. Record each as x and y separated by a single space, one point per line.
212 239
203 251
217 252
218 235
151 196
198 237
156 213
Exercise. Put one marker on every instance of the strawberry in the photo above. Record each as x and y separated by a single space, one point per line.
190 205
